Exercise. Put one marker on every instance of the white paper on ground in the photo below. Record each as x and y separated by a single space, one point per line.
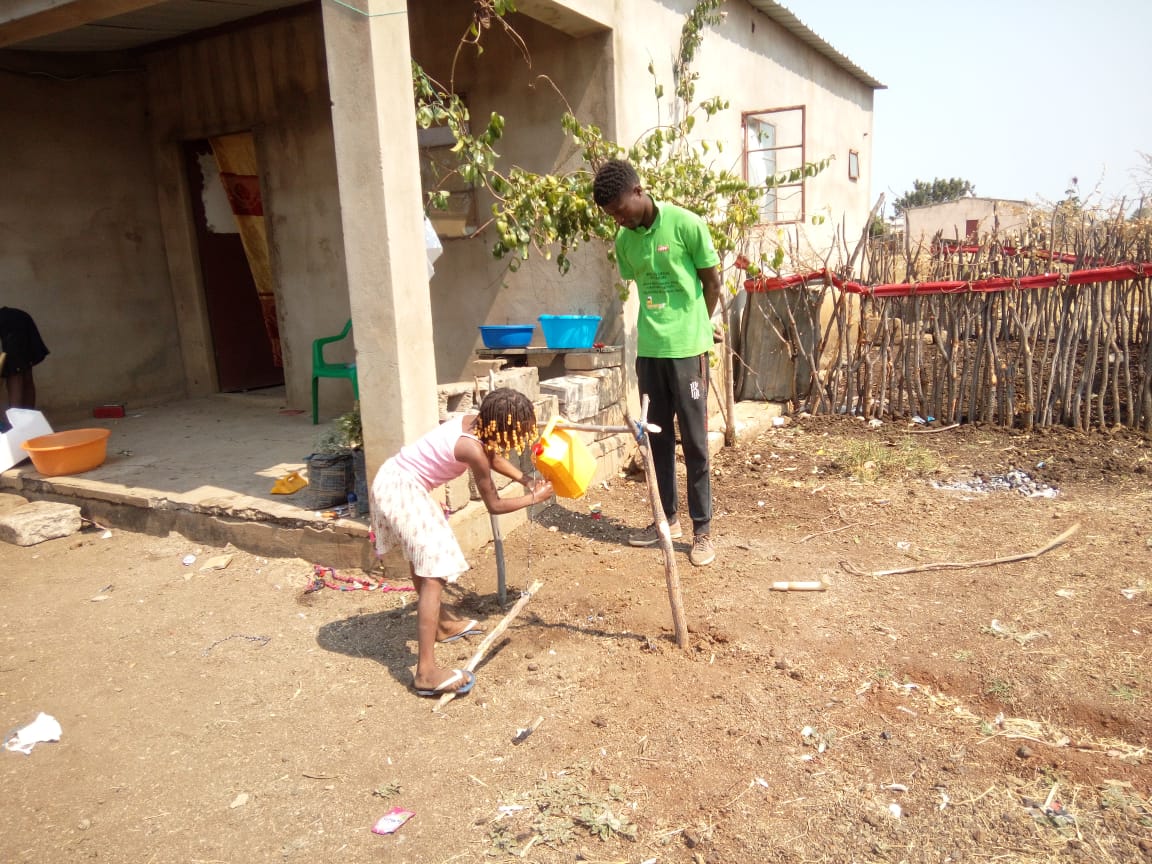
44 728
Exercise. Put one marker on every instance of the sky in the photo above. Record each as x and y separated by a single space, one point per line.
1016 96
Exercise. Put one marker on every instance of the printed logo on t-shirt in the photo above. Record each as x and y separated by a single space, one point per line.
663 248
652 304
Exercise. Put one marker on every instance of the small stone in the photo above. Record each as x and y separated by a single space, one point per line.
532 667
886 735
1024 752
239 801
1146 845
691 840
600 721
83 824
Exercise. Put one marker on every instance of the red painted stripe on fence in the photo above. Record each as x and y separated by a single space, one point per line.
1116 273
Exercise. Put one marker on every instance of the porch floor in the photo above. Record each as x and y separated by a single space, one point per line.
205 467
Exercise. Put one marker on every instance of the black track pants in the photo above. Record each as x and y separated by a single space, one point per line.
679 388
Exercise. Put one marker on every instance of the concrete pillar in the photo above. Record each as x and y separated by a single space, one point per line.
378 175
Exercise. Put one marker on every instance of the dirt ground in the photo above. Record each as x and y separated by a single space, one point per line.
997 713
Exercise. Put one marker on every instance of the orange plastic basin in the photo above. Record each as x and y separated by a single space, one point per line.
70 452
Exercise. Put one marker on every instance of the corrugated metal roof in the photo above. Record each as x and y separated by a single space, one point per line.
786 19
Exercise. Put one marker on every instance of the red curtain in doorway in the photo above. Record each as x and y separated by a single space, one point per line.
239 172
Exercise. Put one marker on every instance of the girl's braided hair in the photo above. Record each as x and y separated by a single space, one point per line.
507 422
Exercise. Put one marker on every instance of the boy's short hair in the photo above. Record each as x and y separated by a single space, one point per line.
614 177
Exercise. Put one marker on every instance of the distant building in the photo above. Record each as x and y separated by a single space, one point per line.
964 221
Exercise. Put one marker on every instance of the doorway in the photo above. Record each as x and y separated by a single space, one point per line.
231 241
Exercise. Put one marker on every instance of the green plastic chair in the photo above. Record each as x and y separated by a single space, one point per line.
323 369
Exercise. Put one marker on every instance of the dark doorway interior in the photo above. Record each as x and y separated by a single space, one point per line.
245 359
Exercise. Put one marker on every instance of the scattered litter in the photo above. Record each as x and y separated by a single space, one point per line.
392 820
188 560
1066 593
813 738
44 728
998 629
289 483
522 734
1013 481
106 535
509 809
217 563
903 545
895 787
594 511
895 810
553 528
239 801
102 594
760 781
1131 593
327 577
875 423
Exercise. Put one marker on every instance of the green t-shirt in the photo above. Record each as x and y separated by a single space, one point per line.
662 261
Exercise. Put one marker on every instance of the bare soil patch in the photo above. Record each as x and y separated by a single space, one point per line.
1000 714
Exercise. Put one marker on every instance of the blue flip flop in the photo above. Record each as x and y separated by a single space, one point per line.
471 629
445 686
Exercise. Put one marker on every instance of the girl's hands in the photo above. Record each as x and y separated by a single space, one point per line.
542 490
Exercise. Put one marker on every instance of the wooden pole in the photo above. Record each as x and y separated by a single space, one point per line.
671 574
491 638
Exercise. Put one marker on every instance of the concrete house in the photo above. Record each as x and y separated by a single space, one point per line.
195 190
965 221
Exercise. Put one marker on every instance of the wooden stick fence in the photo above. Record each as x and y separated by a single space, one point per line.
1037 347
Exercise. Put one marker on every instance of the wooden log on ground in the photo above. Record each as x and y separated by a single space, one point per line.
491 638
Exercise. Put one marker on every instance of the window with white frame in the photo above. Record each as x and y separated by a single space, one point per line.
774 150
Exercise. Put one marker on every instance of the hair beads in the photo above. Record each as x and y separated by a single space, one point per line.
507 422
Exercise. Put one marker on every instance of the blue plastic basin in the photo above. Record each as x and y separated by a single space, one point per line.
569 331
507 335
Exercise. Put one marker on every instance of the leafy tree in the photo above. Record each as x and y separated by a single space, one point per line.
937 192
556 212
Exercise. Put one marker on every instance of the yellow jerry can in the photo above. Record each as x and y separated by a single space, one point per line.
561 457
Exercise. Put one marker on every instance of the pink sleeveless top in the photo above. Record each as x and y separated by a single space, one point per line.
432 458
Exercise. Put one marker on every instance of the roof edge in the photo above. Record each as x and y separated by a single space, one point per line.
788 20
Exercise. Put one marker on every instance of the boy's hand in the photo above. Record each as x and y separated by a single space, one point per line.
542 490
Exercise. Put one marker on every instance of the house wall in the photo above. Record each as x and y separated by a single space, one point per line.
950 219
470 287
269 78
756 65
80 245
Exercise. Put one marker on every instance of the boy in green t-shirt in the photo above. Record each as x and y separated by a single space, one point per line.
667 251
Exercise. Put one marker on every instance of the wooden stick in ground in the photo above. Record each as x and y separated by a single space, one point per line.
963 565
671 574
491 638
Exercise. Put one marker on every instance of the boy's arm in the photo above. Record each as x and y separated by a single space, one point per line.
710 280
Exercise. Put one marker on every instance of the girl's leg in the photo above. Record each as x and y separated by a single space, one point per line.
428 675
